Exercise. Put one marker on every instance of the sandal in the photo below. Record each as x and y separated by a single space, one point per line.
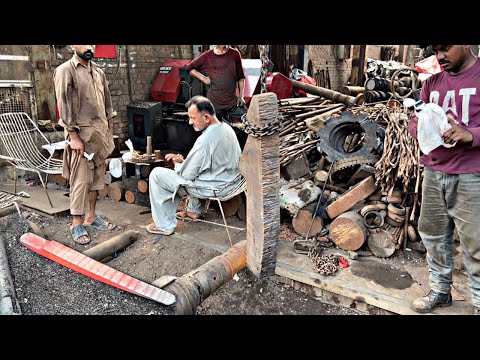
152 229
77 233
101 225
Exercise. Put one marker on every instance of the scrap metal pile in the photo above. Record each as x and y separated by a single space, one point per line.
351 175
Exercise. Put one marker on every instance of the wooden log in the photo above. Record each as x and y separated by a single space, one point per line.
137 198
112 245
104 192
348 231
352 197
142 186
260 164
116 191
129 196
303 220
118 162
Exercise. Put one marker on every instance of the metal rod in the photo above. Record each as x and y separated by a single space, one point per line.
319 200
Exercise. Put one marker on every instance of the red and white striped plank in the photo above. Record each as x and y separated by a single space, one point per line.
94 269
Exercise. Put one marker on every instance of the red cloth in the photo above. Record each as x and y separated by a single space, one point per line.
429 65
106 51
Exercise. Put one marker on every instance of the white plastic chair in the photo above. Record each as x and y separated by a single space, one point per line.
237 190
18 134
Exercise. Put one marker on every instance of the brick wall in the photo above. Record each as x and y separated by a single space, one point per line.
374 51
144 63
323 57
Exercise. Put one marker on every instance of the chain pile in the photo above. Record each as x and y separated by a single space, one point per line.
326 264
400 158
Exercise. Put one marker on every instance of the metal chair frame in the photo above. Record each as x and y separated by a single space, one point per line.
241 187
18 133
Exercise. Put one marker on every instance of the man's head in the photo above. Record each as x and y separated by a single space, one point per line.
201 113
84 52
454 58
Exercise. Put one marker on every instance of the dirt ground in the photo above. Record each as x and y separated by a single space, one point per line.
44 287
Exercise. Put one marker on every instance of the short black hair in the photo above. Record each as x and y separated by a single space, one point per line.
202 104
424 46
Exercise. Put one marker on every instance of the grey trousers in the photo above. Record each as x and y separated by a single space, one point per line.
166 190
449 202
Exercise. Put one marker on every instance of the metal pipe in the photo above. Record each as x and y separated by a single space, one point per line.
9 304
192 288
326 93
129 76
112 245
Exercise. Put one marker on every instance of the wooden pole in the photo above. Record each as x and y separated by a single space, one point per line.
260 164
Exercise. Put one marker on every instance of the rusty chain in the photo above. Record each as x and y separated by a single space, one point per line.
263 76
275 125
326 264
259 131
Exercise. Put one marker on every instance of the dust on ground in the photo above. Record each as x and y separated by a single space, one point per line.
44 287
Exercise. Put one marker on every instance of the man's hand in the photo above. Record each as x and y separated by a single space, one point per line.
456 133
175 158
240 101
76 143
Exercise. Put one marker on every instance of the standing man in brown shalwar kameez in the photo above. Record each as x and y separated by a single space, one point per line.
85 109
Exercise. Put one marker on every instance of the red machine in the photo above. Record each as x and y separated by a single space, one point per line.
167 85
280 85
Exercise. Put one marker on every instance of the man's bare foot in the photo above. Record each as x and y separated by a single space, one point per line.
192 215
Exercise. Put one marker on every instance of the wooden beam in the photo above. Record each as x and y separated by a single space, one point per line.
260 165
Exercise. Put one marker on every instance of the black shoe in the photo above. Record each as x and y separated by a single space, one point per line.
432 300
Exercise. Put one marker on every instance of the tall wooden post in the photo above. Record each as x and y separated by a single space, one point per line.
260 165
358 65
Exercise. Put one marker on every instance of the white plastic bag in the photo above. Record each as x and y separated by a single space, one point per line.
432 124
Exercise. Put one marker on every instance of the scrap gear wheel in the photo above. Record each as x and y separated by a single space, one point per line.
332 137
352 161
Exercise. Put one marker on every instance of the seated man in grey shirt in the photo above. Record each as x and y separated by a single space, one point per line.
213 162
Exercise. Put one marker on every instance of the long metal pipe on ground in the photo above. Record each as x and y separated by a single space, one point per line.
191 289
326 93
112 245
9 304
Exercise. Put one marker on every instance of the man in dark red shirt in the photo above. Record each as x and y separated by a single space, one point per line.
221 69
451 184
